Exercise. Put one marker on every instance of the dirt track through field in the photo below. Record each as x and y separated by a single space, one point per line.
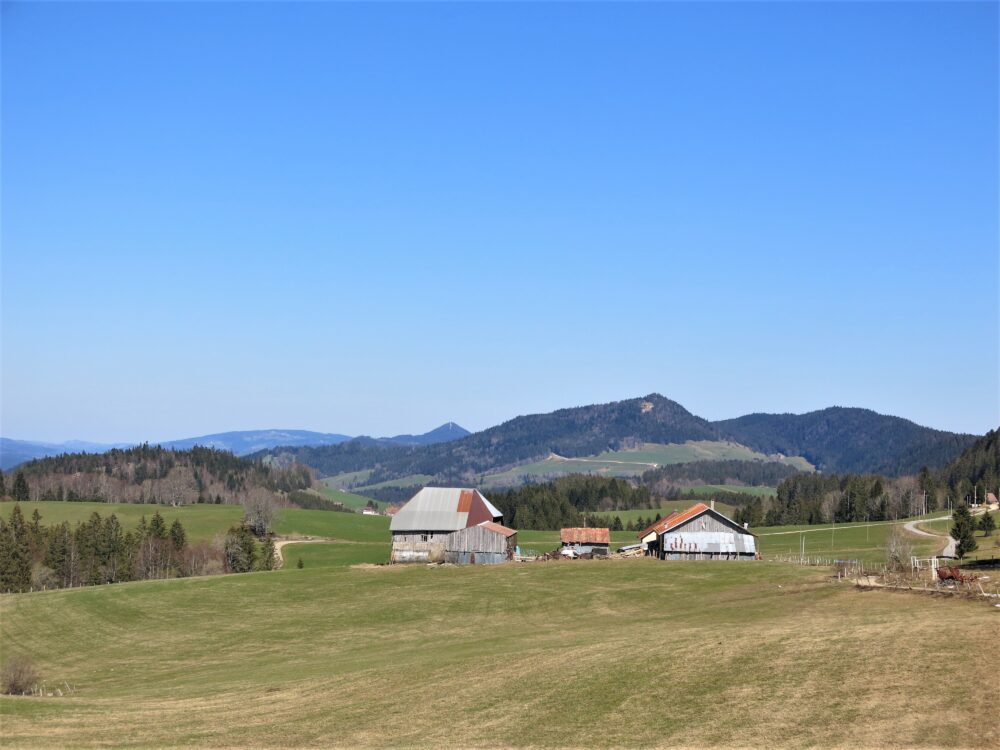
279 544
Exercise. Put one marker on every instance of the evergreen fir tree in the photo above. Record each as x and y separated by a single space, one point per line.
963 531
987 524
269 556
157 526
20 491
300 564
3 485
178 537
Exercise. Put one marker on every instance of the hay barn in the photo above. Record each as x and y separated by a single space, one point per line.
424 530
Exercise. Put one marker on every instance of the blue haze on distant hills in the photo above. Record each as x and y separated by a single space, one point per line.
242 442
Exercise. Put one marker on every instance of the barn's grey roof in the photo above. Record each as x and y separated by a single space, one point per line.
440 509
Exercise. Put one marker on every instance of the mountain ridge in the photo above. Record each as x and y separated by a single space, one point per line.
845 439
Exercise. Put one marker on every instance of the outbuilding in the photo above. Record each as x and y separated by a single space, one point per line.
581 541
487 543
422 529
698 533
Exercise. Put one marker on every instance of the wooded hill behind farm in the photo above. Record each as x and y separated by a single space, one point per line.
833 440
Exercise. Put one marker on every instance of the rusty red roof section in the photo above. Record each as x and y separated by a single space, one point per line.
674 519
465 501
585 536
498 529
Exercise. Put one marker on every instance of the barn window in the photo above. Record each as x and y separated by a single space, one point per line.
423 537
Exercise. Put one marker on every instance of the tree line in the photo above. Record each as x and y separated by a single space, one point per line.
99 550
562 502
828 498
152 474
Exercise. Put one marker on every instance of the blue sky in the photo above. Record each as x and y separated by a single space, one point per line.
377 218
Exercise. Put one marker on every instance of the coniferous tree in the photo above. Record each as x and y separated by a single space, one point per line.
240 550
20 491
3 485
178 537
987 524
963 531
268 559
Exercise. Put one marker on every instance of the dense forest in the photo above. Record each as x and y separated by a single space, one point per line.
564 501
151 474
858 441
825 498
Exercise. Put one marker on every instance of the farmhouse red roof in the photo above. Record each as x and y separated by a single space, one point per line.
585 536
674 519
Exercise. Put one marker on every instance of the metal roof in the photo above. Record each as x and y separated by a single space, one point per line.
497 528
679 518
438 509
585 536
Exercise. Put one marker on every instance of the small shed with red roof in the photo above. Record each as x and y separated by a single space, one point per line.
583 540
698 533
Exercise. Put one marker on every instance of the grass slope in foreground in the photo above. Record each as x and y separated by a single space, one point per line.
630 653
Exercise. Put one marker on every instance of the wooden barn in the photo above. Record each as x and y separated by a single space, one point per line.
592 540
698 533
487 543
424 529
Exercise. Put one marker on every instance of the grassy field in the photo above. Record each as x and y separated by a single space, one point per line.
349 499
631 463
547 655
202 522
840 541
989 546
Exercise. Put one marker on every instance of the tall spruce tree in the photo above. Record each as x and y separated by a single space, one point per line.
963 531
987 524
20 491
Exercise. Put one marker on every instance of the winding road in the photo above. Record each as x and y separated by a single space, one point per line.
949 548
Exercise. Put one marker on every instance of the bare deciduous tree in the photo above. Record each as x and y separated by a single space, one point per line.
260 511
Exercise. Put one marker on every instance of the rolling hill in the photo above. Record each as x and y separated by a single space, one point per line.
613 438
842 440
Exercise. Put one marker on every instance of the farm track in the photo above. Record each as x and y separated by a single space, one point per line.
279 544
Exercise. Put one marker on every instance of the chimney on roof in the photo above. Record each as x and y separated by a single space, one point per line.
712 506
746 524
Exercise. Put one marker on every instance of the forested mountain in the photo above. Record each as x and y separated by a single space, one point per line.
443 434
151 474
835 439
977 467
582 431
848 440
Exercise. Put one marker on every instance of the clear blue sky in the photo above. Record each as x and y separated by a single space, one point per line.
377 218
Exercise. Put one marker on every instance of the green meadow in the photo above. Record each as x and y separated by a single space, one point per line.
556 654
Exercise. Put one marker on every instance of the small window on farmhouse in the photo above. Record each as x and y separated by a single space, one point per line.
423 537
